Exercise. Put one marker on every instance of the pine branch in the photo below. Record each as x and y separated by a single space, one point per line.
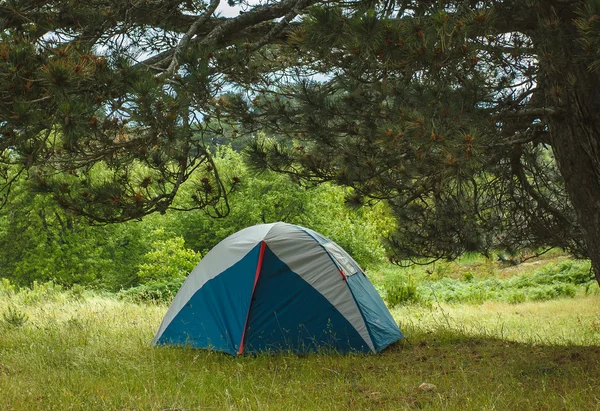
529 112
183 43
523 137
253 17
517 169
257 23
280 27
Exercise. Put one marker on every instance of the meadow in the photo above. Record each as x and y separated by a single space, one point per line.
77 349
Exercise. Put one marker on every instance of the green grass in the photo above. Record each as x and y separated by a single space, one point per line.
561 322
479 280
83 351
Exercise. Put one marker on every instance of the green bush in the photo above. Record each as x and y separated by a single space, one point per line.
77 293
14 318
469 276
550 292
7 288
516 297
552 281
41 292
163 269
39 242
399 290
155 291
167 259
270 197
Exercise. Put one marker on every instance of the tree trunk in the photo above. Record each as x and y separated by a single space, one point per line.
575 136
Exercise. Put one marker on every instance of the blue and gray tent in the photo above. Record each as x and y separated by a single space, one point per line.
275 287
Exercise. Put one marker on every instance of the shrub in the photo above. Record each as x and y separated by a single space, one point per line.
7 288
549 292
569 271
400 290
77 292
516 297
38 242
168 260
552 281
14 317
155 291
469 276
41 292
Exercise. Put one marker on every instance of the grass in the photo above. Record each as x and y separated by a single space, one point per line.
84 351
479 280
564 322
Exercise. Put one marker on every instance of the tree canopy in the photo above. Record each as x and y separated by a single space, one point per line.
475 120
109 105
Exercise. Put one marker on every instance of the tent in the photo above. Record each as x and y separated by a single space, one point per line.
274 287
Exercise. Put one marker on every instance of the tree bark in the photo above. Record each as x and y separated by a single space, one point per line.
575 136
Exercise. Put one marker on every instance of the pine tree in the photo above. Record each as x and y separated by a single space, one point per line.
109 106
477 121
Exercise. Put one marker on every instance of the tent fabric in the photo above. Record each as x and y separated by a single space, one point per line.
274 287
288 312
224 255
215 315
307 259
382 328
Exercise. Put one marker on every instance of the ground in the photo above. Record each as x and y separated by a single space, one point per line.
80 350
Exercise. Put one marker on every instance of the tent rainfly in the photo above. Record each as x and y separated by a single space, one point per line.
278 287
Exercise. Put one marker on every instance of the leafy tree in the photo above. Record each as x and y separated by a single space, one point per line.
167 259
270 197
476 120
40 243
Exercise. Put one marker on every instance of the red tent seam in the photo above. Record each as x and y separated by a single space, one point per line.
263 245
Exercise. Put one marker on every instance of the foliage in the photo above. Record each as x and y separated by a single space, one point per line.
77 292
7 289
163 269
163 290
554 280
398 290
270 197
472 119
475 121
38 242
108 134
40 292
14 317
168 259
